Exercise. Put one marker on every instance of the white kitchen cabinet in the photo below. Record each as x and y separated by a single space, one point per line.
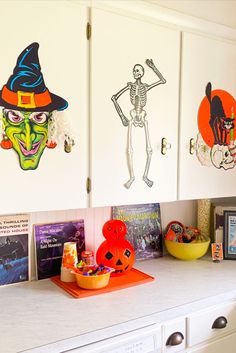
209 324
205 59
118 43
205 331
212 329
146 314
59 181
96 77
190 333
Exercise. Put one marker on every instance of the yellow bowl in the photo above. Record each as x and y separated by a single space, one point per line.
93 282
187 251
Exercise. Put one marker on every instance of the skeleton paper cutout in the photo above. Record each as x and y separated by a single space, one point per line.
29 122
138 98
216 143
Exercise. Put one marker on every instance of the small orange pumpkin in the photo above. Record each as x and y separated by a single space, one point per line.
116 251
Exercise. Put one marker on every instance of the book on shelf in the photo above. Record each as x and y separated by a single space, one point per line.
49 242
14 248
143 224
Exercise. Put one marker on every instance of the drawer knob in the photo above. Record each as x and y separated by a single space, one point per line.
174 339
220 322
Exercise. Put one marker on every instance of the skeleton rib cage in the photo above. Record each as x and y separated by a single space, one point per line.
138 95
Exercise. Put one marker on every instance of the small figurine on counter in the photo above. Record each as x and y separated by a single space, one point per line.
217 252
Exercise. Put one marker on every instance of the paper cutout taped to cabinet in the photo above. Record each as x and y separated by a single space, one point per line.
30 120
216 140
138 98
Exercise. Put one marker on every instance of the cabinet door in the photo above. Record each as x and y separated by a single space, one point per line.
210 170
59 180
122 82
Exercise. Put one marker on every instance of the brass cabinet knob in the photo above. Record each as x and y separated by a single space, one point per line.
165 145
174 339
220 322
192 146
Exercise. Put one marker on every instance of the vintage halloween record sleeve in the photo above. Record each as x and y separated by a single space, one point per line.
143 224
14 249
49 242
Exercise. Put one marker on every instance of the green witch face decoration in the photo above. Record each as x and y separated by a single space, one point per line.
28 132
29 121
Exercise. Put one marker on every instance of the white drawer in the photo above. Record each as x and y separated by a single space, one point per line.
225 344
174 333
144 340
200 324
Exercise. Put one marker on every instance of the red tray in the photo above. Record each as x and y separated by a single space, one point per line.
132 278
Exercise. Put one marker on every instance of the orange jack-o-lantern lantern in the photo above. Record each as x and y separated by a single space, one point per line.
115 251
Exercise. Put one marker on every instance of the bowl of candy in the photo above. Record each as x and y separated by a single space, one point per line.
185 243
92 277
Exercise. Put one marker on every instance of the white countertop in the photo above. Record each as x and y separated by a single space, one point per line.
40 314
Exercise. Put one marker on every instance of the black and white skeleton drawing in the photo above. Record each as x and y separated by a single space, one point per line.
138 98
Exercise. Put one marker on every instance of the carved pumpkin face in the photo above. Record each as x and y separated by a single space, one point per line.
115 251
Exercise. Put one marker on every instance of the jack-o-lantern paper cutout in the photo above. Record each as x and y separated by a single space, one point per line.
216 142
116 251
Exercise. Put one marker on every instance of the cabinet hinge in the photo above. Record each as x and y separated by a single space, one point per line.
88 185
88 30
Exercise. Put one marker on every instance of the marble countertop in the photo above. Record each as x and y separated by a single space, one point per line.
40 317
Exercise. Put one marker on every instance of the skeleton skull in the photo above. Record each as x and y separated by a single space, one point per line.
138 71
221 157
